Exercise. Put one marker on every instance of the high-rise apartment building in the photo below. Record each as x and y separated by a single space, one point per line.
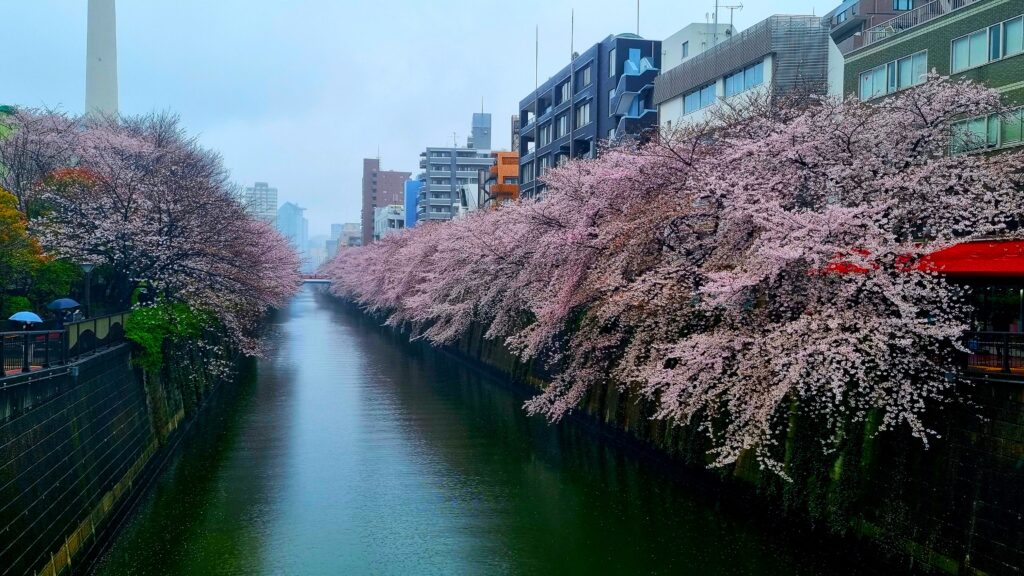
605 93
292 224
261 202
451 175
380 188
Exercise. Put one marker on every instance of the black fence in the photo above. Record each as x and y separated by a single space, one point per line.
996 352
31 350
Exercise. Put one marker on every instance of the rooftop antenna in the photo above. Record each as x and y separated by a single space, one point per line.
637 17
731 10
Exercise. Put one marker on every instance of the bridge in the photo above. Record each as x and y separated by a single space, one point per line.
315 279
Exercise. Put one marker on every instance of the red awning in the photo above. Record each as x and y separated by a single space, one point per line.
1003 259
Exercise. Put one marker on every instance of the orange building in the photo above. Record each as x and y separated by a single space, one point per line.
502 183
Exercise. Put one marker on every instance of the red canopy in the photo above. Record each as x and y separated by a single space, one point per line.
997 259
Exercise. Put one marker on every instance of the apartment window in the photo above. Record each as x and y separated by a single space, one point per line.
686 49
583 77
611 62
893 76
527 173
991 131
611 94
543 165
698 99
745 79
563 92
902 4
582 115
545 135
611 134
989 44
562 125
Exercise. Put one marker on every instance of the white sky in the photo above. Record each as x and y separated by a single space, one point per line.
297 92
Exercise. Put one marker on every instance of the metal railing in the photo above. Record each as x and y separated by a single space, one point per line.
913 18
996 352
31 350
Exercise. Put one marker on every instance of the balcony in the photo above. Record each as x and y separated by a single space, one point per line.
914 18
996 355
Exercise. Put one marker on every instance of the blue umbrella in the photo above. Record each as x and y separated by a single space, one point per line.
26 317
62 304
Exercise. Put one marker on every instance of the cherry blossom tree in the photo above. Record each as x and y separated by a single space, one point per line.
149 203
730 270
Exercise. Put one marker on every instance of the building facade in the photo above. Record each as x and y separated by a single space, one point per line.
449 175
261 202
412 198
380 188
292 224
777 55
388 220
692 40
500 181
850 20
603 94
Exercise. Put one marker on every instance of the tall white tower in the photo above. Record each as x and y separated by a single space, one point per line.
101 59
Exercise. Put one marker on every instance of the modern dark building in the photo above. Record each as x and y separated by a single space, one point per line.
380 188
605 93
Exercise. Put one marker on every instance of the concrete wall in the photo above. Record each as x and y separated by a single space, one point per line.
954 508
74 444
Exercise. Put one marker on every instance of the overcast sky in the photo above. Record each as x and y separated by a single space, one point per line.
297 92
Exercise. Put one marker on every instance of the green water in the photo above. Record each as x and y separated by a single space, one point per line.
353 453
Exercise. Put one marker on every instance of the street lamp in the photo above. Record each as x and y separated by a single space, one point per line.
87 268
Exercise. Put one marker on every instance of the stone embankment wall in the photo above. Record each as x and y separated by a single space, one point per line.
956 507
76 442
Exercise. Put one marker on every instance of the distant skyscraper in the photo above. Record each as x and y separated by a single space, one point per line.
261 202
290 224
481 134
380 188
101 59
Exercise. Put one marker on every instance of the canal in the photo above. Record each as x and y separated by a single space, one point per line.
354 453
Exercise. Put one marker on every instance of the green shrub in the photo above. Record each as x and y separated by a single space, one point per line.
150 327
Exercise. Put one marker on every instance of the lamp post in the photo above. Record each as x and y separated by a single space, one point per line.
87 268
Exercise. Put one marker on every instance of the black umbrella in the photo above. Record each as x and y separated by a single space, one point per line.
62 304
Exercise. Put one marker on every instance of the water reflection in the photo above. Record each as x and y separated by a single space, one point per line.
354 453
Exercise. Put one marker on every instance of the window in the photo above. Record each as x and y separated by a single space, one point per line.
893 76
543 165
686 49
611 134
902 4
545 134
989 44
562 125
611 62
745 79
583 78
582 115
527 172
992 131
611 94
700 98
563 92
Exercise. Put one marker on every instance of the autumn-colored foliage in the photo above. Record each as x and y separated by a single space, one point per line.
690 269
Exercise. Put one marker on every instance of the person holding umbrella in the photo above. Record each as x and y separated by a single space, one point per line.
61 306
26 319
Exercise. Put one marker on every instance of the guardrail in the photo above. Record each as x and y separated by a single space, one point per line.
996 352
913 18
31 350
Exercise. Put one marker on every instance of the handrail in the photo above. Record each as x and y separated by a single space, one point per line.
913 18
995 352
31 350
